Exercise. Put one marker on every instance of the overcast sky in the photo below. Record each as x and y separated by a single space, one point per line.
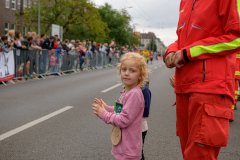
158 16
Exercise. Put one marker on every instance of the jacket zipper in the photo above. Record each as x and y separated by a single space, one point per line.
193 4
187 24
204 70
186 38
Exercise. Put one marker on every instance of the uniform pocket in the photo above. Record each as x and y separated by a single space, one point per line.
214 129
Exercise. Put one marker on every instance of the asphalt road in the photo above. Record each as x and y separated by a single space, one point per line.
76 133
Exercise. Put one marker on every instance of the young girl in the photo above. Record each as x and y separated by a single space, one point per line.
52 61
133 72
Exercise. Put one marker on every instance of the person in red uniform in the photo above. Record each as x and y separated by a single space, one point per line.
204 56
237 78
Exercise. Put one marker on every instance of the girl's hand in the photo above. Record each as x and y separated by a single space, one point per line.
100 102
172 81
98 109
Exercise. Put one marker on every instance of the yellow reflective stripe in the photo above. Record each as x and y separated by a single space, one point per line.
238 56
233 106
236 97
236 92
215 48
238 8
237 73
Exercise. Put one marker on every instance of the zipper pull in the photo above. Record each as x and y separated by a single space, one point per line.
193 4
204 75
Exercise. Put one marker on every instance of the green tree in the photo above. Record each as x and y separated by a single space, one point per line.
152 45
119 24
79 18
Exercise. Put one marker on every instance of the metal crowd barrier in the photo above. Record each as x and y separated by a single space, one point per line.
26 60
38 63
54 62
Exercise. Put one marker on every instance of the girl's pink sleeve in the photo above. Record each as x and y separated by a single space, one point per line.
110 108
130 111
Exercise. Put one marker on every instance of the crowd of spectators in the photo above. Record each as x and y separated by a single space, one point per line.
53 61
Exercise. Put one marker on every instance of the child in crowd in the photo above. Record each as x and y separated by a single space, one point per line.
52 61
117 56
134 73
147 98
81 58
58 55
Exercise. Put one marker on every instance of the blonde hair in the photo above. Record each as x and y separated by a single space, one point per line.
142 63
33 34
11 33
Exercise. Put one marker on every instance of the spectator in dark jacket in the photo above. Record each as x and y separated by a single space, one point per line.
48 43
94 47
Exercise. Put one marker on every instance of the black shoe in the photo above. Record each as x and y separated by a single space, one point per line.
231 121
235 107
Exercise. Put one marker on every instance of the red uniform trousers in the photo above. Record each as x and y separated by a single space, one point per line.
202 124
235 101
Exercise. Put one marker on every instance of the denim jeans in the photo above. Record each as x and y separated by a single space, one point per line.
59 63
72 59
43 61
90 54
52 69
81 61
102 58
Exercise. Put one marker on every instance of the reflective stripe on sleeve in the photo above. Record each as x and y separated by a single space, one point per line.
237 92
233 106
214 48
238 56
237 73
238 8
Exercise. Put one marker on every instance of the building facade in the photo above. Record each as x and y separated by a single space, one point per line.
145 39
8 11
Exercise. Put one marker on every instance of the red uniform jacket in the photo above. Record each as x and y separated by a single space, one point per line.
237 69
208 36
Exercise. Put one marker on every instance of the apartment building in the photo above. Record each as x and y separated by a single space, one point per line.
146 38
8 11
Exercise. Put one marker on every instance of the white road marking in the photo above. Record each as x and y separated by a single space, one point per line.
106 90
33 123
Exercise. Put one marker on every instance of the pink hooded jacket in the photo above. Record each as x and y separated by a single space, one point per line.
130 122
